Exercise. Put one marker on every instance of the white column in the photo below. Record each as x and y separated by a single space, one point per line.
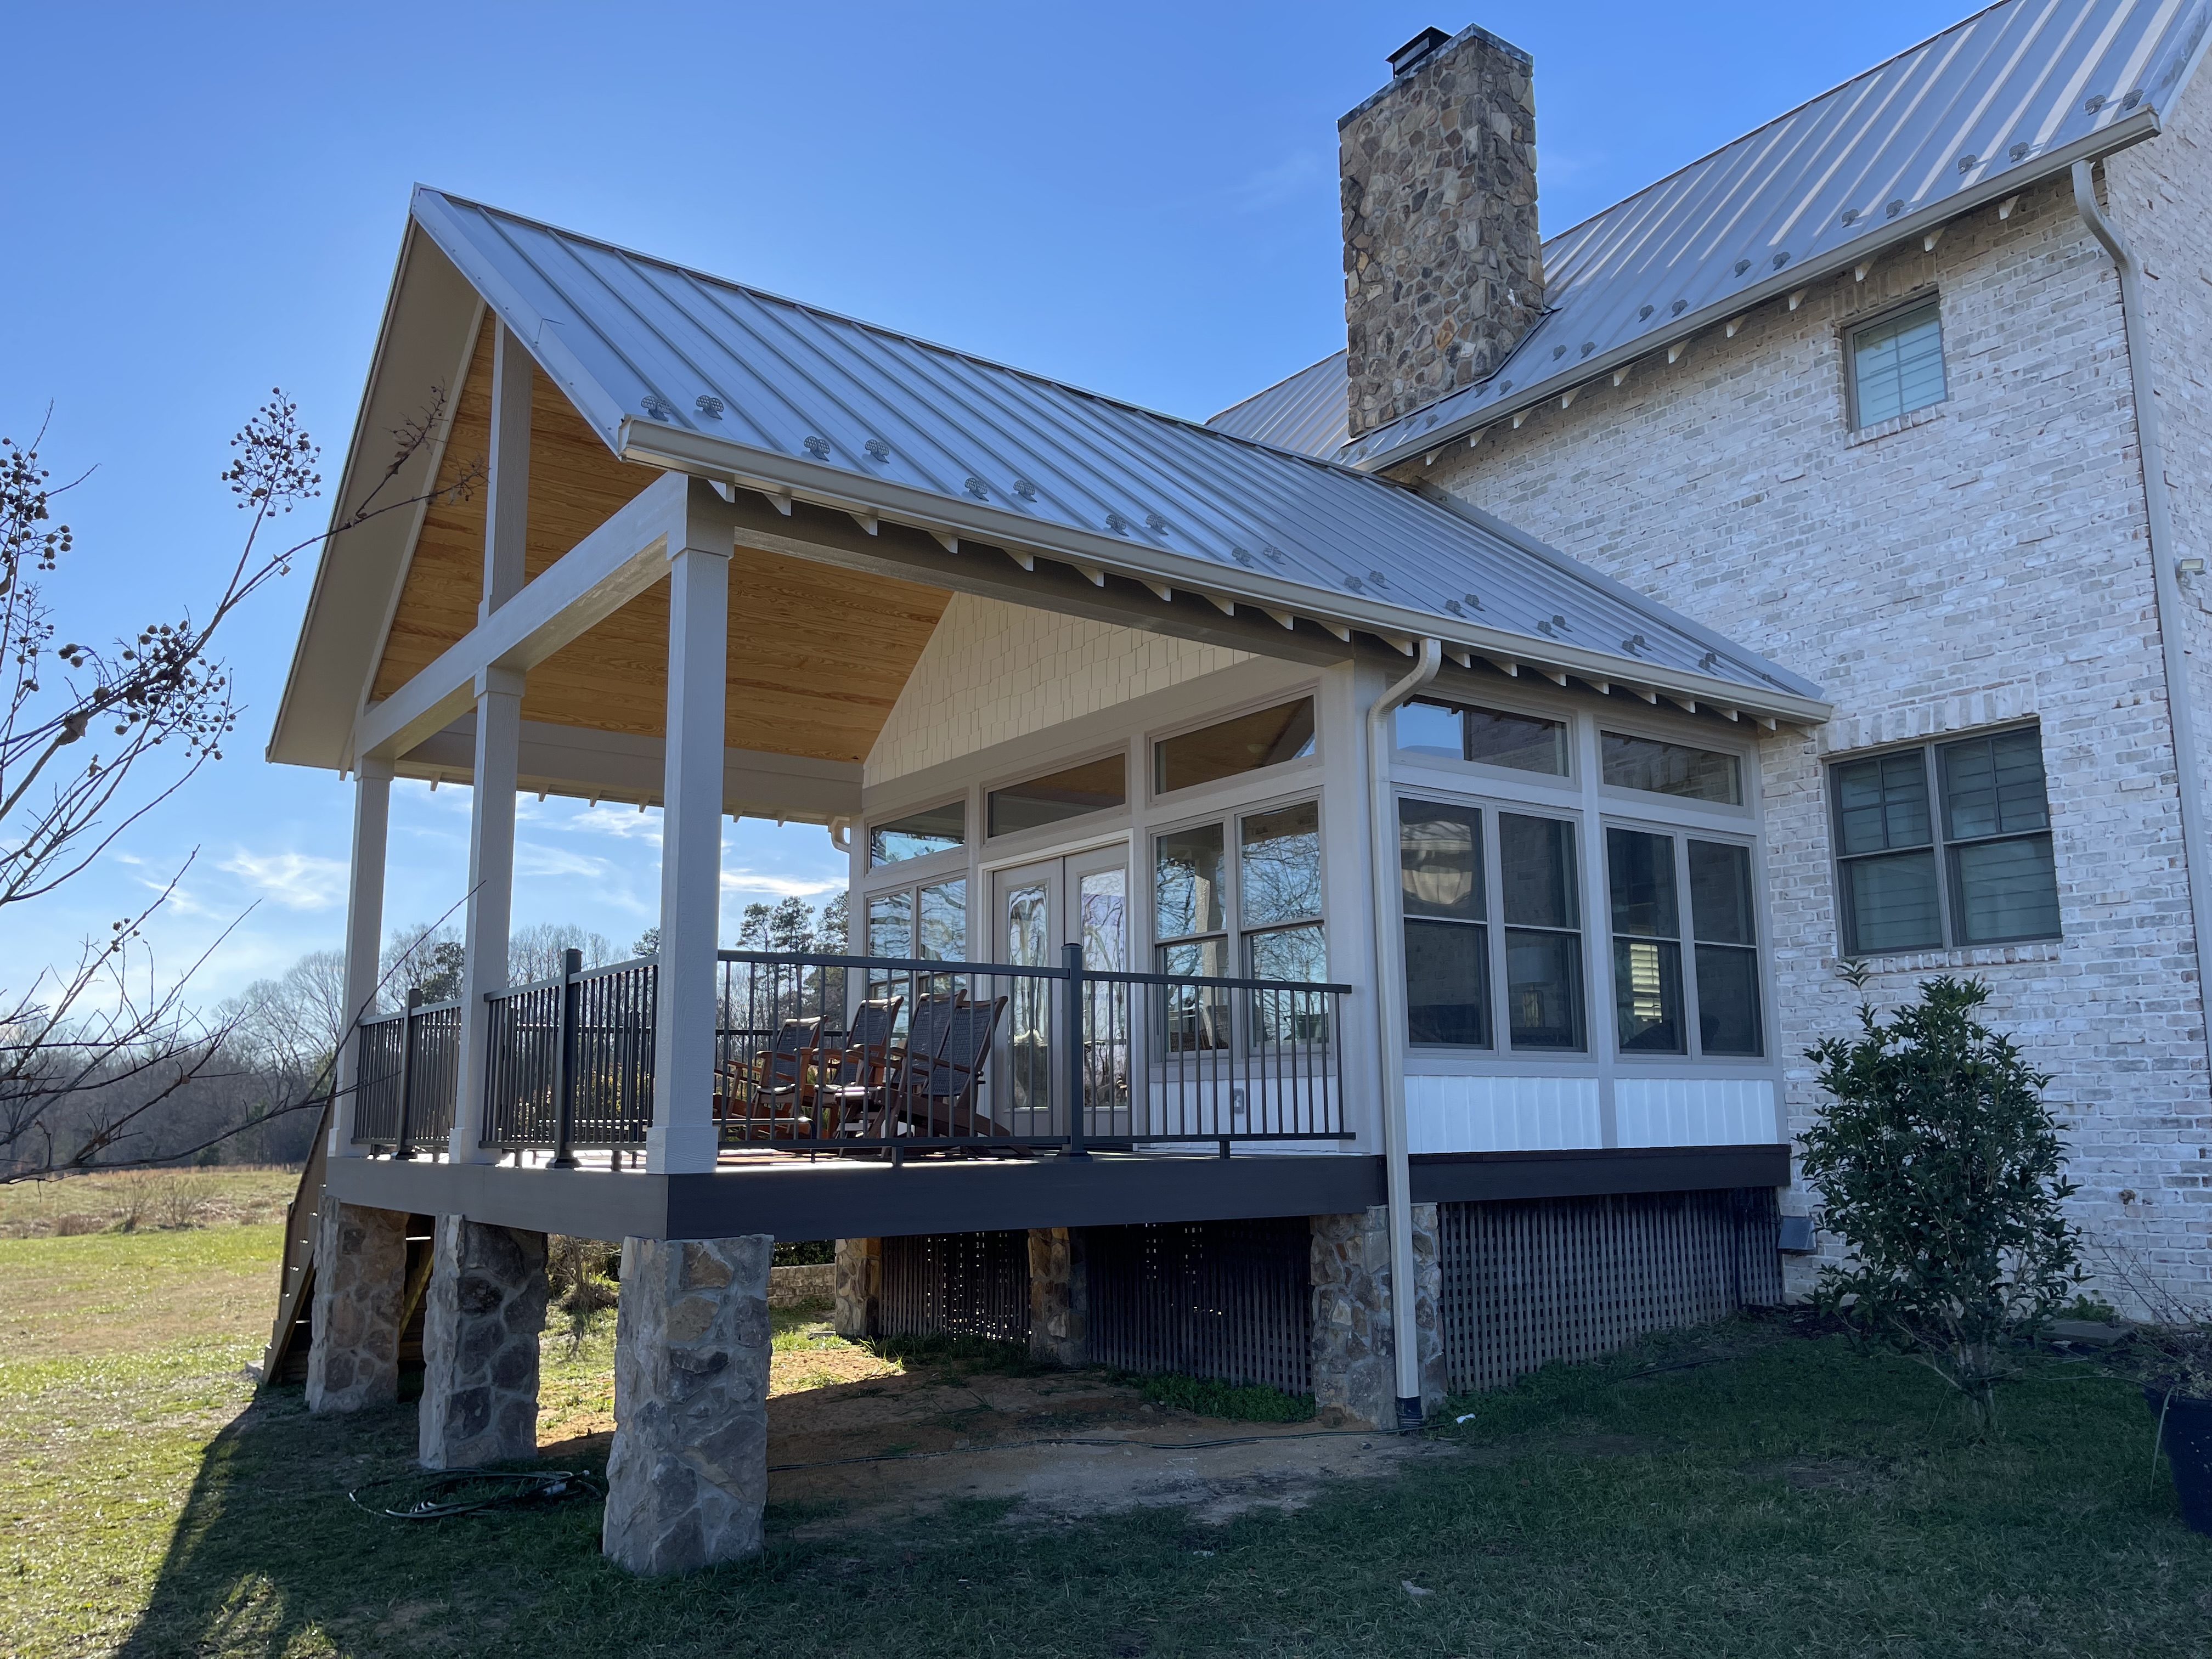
683 1136
491 896
372 818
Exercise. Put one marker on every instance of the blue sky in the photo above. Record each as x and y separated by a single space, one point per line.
1141 199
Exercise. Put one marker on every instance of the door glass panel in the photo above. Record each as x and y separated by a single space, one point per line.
1027 941
1103 915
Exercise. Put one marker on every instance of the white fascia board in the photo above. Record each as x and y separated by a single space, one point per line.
2144 123
678 449
592 581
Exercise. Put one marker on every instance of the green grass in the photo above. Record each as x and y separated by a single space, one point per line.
1793 1498
1239 1403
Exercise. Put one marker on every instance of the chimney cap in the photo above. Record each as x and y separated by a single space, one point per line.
1410 56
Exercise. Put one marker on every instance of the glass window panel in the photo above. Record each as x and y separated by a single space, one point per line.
1727 1000
2006 890
1433 728
1994 785
1898 364
1671 769
944 929
1891 903
1647 994
1537 859
1093 787
1522 742
1280 866
1447 985
1720 894
1544 990
1641 869
919 834
1204 958
1440 860
1265 737
1193 1017
1287 953
1882 803
1187 869
890 925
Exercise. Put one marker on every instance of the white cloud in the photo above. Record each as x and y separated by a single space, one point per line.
757 881
298 881
535 859
622 823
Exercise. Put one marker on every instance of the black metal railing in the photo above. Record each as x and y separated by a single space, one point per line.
406 1067
841 1054
569 1061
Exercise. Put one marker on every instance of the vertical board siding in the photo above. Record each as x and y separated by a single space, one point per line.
957 1285
1695 1111
1502 1114
1226 1299
1528 1282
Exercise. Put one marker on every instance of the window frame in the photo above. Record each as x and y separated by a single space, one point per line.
1620 802
1950 895
1849 332
1685 941
1233 934
1147 760
1078 823
877 821
1570 780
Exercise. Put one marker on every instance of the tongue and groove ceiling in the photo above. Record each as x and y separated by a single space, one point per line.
816 656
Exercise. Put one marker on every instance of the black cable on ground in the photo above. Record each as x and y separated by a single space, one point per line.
442 1493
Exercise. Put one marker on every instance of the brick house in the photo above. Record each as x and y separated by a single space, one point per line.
1396 834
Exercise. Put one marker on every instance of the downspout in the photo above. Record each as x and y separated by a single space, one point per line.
2181 713
1390 1024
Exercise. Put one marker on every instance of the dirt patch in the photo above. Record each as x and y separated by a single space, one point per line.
905 1443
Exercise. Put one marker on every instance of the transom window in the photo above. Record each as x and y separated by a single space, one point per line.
1946 845
1491 736
1266 737
938 829
1093 787
1452 959
1897 365
1670 768
1655 1012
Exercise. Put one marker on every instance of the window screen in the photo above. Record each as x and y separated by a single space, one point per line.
1897 365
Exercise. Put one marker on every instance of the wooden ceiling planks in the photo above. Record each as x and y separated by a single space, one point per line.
818 656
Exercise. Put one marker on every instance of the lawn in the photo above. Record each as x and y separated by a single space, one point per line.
1765 1493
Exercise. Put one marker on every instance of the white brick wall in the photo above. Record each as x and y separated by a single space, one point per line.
1986 564
993 670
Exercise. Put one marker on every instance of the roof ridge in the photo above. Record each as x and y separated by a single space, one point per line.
883 331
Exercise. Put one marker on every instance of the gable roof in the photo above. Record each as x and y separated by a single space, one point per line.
692 372
2012 95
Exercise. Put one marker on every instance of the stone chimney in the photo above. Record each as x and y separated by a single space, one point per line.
1442 273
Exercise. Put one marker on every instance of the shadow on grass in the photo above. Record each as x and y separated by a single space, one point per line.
1744 1493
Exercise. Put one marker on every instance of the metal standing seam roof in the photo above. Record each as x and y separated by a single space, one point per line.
2011 95
1306 412
685 369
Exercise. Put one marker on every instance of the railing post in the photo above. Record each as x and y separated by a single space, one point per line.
564 1061
1071 957
402 1148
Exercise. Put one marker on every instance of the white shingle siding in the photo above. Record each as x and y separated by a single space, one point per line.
993 672
1984 563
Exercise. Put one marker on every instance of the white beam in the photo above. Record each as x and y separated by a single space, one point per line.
491 902
599 575
682 1138
364 934
507 472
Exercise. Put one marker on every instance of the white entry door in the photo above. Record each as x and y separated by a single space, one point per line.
1037 910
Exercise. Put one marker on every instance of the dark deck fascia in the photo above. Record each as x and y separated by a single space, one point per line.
850 1197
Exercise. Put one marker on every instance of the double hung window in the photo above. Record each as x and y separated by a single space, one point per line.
1647 872
1445 853
1948 844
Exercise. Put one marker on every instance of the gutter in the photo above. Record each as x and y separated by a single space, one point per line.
2151 449
1390 1021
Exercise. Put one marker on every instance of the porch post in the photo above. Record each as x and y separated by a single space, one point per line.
683 1137
372 819
499 741
491 897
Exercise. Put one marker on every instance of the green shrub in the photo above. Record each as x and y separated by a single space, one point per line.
1940 1169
